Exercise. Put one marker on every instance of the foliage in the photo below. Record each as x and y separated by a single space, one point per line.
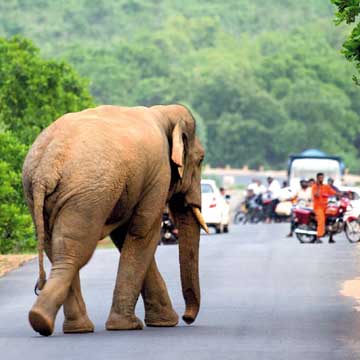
263 85
33 92
263 79
16 231
348 10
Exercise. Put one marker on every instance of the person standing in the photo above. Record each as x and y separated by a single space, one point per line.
222 192
272 193
320 194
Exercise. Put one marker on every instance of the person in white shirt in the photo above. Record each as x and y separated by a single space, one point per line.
257 187
303 198
272 193
253 186
261 189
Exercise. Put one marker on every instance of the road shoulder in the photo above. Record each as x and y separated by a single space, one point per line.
13 261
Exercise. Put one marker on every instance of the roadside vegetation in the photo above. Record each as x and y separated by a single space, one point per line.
264 79
33 92
348 12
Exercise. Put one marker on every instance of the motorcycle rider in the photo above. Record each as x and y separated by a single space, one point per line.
260 188
303 198
169 233
256 186
251 204
253 185
320 195
330 182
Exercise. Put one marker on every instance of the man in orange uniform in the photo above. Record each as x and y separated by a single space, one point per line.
320 194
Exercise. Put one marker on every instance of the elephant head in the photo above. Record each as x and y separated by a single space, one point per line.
186 154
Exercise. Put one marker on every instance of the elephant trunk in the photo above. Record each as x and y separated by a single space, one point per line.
189 237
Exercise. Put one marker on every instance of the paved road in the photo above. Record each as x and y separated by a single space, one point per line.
263 297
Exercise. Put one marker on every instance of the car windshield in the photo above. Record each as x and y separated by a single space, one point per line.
206 189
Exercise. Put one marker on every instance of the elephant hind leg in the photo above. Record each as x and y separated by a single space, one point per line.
76 318
71 248
43 313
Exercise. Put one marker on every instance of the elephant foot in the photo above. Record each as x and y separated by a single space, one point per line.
122 322
82 325
41 322
167 318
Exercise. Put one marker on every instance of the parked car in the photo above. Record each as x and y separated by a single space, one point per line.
215 208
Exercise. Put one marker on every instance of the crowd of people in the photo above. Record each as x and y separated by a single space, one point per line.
265 196
312 193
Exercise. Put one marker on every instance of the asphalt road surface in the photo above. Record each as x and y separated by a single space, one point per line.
263 297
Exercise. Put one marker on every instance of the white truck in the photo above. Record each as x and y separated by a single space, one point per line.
310 162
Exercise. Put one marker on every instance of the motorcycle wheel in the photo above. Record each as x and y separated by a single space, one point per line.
256 219
239 217
352 231
305 239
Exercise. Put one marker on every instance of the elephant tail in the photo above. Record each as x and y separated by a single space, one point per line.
39 197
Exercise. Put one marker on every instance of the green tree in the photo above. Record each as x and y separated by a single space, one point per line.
348 11
244 69
33 93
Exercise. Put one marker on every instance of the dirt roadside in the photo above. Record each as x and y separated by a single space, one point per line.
11 262
14 261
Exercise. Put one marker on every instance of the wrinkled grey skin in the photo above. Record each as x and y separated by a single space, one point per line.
110 171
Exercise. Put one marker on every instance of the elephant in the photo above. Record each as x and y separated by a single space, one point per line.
110 171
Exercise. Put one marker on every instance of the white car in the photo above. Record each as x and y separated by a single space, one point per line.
214 207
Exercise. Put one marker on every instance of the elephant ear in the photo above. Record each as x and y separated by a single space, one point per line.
177 153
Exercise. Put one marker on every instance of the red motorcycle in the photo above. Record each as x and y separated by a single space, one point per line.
306 224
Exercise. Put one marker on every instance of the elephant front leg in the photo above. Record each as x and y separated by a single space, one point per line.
158 307
76 318
136 256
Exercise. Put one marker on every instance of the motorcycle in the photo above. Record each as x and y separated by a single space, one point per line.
240 213
169 233
352 228
336 222
352 223
251 211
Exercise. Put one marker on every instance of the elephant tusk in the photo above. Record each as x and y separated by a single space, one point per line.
200 219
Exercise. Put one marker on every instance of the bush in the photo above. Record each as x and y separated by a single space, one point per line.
33 92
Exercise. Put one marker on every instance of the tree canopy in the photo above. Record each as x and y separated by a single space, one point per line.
33 92
265 78
348 11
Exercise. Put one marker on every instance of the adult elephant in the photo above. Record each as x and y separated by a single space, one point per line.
110 171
